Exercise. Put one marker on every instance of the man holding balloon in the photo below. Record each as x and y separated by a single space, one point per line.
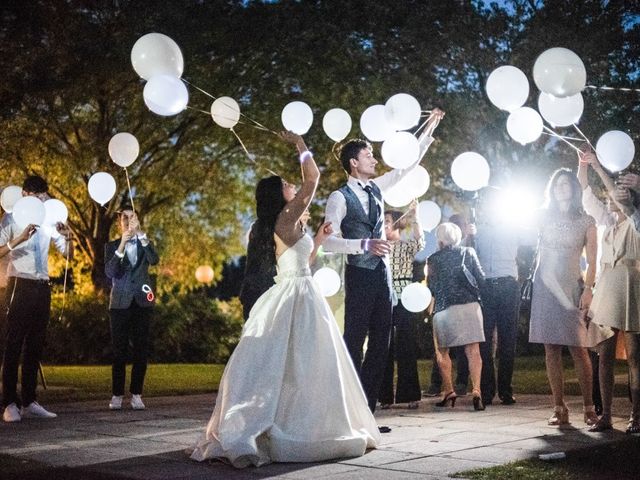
29 295
356 214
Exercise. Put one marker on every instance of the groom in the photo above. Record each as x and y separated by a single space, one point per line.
356 213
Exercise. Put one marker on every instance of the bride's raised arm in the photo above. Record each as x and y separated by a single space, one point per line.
289 217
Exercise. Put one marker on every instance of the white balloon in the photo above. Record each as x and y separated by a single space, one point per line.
400 150
561 112
402 111
507 88
560 72
28 210
123 149
156 54
328 281
615 150
165 95
225 111
524 125
429 214
413 185
297 117
336 124
56 211
374 125
416 297
10 195
102 187
470 171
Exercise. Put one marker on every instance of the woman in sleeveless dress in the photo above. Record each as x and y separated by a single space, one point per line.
559 303
289 392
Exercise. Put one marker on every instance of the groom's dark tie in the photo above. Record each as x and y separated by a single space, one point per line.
374 211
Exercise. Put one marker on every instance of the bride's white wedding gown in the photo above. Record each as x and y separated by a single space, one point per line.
289 392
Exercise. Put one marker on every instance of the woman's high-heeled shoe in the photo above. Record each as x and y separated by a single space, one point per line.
590 416
477 403
449 397
633 427
560 416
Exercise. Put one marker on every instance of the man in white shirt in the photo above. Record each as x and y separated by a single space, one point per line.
29 302
356 213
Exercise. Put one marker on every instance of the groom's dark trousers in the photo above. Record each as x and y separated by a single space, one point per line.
368 310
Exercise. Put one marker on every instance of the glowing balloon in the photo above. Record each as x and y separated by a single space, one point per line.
397 197
328 281
336 124
204 274
470 171
400 150
560 72
413 185
374 125
165 95
429 214
156 54
28 210
561 112
123 149
416 297
10 195
615 150
524 125
507 88
402 111
297 117
225 111
102 187
55 211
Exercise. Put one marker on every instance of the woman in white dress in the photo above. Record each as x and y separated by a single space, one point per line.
289 392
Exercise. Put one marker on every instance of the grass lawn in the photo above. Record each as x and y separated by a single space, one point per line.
76 383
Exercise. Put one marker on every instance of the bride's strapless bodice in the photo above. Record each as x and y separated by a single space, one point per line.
295 260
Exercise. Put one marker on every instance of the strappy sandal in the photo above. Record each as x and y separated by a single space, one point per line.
633 427
590 416
560 416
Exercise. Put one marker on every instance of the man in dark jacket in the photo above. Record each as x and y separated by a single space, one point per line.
127 261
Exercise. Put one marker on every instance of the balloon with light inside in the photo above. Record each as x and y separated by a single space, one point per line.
416 297
327 280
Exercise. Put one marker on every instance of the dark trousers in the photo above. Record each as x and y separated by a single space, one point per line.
402 349
129 324
462 369
27 318
500 304
368 312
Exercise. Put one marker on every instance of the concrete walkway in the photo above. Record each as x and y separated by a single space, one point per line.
427 443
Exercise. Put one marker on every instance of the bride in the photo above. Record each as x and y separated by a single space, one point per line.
289 392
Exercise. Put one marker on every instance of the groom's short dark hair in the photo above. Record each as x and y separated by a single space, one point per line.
350 150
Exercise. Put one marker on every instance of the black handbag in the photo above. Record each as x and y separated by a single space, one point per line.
526 289
470 279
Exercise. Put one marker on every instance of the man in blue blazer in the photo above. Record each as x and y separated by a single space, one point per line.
127 261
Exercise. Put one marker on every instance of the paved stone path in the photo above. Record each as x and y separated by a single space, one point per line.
426 443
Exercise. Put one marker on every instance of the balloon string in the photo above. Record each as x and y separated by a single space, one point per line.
229 118
622 89
249 156
402 216
584 136
129 185
561 138
64 283
198 110
197 88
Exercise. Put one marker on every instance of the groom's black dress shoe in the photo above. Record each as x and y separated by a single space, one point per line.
384 429
507 400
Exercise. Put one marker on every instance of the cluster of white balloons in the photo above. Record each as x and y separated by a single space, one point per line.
157 59
30 210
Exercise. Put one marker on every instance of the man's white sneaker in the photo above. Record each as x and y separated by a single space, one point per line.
35 410
136 402
11 413
116 402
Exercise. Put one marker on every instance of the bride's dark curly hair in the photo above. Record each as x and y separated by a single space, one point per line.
261 251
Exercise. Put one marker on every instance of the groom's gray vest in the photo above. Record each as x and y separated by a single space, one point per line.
356 224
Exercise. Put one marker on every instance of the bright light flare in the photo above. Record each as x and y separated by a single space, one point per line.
515 205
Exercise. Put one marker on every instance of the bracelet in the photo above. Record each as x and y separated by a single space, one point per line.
304 155
365 245
11 249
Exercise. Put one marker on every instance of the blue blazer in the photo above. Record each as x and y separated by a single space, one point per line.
127 280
